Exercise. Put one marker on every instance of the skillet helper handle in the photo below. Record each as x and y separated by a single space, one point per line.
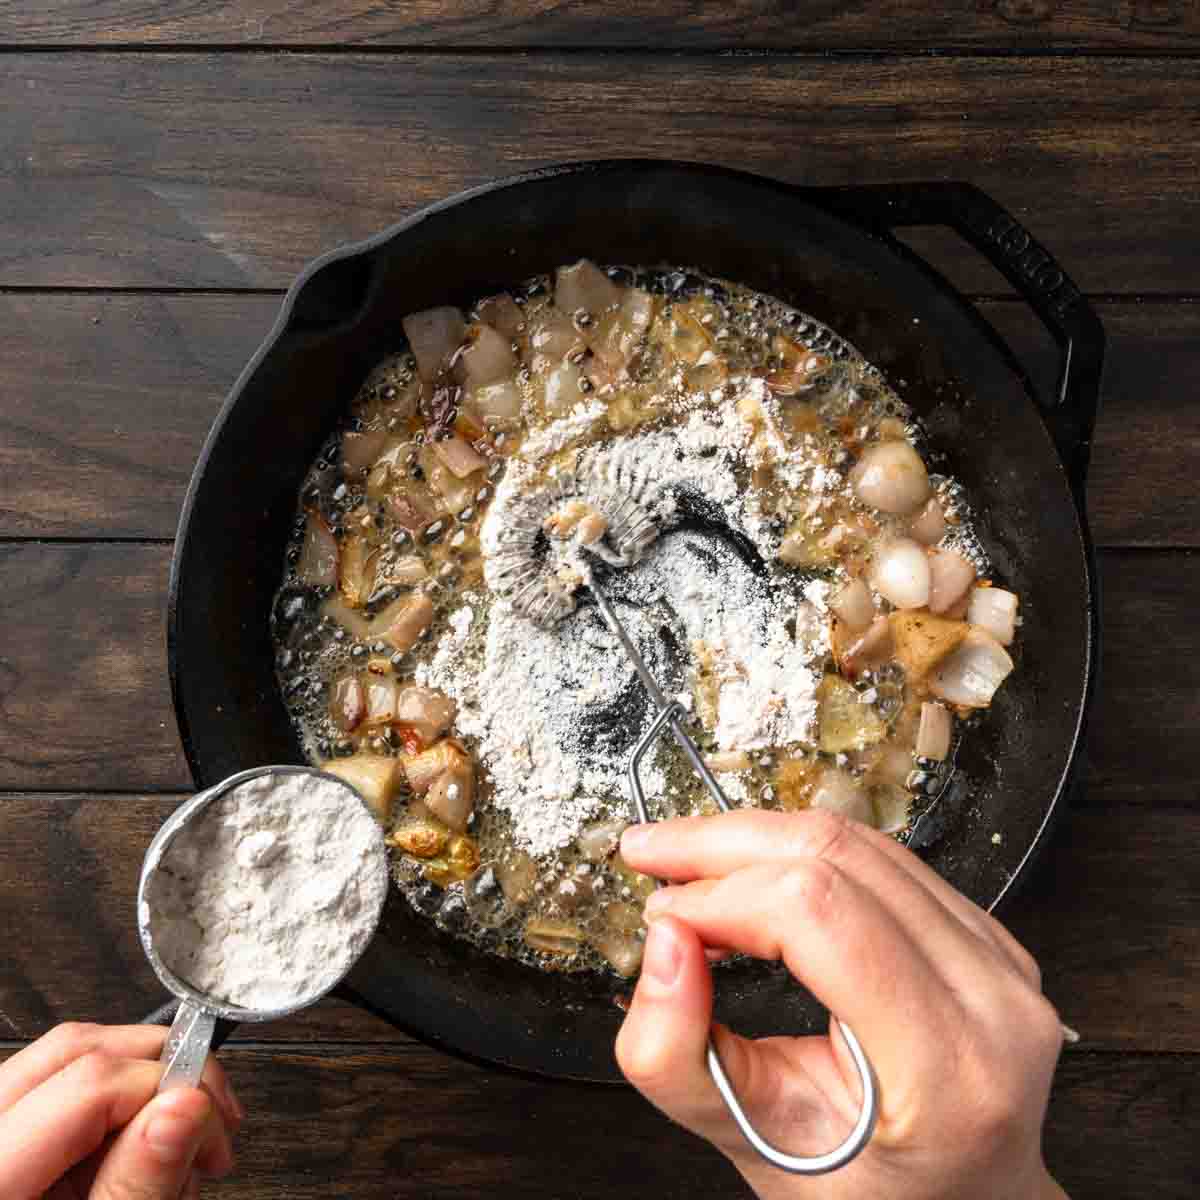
1071 411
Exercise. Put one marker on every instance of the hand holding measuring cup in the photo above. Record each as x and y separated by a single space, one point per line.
233 875
946 1003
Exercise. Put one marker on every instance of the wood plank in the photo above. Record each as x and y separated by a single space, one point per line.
1128 25
1125 970
231 170
1124 974
107 401
83 678
389 1122
102 422
1147 441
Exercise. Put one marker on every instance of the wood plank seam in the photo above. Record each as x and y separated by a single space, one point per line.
615 49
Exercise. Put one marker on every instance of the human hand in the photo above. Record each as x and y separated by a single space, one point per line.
946 1003
79 1119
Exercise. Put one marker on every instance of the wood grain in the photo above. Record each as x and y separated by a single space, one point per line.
1125 25
107 400
84 694
390 1122
1124 975
1147 442
84 700
232 170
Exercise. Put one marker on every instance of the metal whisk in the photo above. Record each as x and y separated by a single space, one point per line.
631 529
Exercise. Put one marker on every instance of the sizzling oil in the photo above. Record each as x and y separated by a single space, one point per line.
316 638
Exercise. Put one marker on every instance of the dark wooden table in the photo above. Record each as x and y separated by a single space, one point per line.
166 168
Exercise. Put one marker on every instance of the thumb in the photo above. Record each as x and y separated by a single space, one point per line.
153 1156
791 1087
663 1042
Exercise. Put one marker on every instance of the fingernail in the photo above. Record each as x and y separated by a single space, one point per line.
173 1132
658 903
663 955
635 837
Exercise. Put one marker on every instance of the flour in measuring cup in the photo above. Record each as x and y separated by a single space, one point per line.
270 894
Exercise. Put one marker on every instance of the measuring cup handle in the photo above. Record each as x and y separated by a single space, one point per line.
165 1015
187 1047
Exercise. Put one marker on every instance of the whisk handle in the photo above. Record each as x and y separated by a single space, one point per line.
670 715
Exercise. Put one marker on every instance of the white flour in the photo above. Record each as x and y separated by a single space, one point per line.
542 704
269 895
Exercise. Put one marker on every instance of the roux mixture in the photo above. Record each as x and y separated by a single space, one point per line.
807 589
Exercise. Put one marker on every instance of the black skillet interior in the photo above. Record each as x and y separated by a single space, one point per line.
345 312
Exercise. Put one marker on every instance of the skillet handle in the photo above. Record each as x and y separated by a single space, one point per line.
165 1015
1071 412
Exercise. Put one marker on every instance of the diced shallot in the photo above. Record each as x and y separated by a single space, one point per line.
800 367
892 764
390 467
563 392
350 619
893 807
552 337
487 356
950 575
503 314
495 404
933 734
837 792
356 569
994 610
412 508
922 640
451 796
970 675
451 492
929 525
870 650
434 335
723 761
553 937
319 555
459 456
517 875
347 704
617 337
598 841
584 286
411 618
428 712
374 776
891 477
380 691
853 606
901 573
417 833
360 451
408 571
423 768
623 952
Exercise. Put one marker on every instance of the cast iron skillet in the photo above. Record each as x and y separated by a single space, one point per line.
828 251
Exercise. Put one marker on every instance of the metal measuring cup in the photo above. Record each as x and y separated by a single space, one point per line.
202 1022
